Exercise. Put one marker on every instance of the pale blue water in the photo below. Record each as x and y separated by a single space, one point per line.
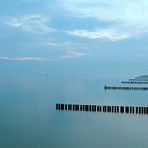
28 118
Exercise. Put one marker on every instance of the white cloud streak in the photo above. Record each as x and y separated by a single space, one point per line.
109 34
69 55
25 58
72 54
30 23
128 18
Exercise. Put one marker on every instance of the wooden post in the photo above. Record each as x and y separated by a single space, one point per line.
133 108
117 109
94 108
137 111
89 108
130 109
112 109
108 108
140 110
57 106
127 109
145 110
121 109
104 108
62 107
77 107
81 107
86 107
69 106
65 106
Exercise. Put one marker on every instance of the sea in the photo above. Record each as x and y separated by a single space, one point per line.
29 119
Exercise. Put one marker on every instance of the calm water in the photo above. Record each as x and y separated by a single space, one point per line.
28 118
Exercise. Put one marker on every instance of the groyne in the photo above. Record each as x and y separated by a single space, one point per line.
134 82
125 88
104 108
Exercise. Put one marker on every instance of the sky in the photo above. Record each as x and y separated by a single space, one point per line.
83 35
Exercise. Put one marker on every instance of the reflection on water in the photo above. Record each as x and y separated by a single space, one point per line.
29 118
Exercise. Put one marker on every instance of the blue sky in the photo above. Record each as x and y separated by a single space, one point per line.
99 32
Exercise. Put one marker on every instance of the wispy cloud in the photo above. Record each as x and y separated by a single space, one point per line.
69 55
25 58
123 19
73 55
31 23
109 34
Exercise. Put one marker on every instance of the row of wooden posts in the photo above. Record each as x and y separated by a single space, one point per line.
98 108
134 82
124 88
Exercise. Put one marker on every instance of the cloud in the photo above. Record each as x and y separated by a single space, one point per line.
31 23
69 55
25 58
72 54
122 19
108 34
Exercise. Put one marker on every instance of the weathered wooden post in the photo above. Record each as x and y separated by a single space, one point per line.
104 108
77 107
108 108
86 107
133 109
81 107
137 111
69 106
127 109
94 108
62 107
89 108
65 106
57 106
98 108
140 110
121 109
117 109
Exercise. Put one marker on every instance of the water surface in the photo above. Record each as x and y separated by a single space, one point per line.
28 118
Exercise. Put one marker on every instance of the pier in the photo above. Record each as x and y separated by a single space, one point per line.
106 108
125 88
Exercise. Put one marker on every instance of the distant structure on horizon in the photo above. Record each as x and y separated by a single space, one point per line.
140 78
